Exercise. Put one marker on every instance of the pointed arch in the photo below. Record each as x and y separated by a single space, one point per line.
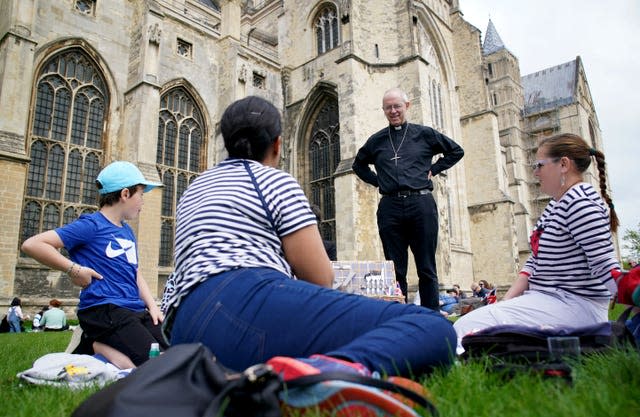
441 48
181 153
434 49
66 140
325 27
319 153
437 91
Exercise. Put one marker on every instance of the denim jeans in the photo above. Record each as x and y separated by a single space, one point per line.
634 327
15 326
248 315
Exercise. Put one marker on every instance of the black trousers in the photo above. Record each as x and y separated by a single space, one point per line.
411 222
128 331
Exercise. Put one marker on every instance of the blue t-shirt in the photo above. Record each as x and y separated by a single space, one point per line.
95 242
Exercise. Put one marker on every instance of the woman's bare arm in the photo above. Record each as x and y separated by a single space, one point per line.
520 285
305 253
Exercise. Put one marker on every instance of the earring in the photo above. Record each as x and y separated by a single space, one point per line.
563 180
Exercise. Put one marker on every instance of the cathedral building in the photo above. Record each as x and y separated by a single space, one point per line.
87 82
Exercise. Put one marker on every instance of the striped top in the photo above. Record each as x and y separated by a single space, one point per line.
575 251
222 224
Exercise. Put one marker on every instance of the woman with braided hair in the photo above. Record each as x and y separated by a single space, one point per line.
567 279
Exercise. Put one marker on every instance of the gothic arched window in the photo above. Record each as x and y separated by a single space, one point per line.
592 135
435 96
327 29
180 158
324 157
66 142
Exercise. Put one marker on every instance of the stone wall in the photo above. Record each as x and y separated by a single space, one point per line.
12 183
143 49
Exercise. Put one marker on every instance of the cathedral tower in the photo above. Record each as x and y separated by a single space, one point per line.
506 97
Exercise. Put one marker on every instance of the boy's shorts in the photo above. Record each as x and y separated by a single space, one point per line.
130 332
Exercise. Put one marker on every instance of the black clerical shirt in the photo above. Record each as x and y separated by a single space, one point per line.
405 165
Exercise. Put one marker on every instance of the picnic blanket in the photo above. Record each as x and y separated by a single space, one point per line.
71 370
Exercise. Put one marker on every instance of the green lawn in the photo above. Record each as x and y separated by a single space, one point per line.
604 385
17 398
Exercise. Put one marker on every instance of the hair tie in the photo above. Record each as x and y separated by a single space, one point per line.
592 151
611 206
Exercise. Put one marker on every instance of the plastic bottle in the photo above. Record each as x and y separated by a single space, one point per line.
154 350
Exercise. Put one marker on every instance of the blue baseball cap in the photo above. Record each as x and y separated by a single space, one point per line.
122 174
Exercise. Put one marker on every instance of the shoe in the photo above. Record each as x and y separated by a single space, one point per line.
410 385
76 337
290 368
339 398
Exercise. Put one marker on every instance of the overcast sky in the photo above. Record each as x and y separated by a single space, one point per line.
606 36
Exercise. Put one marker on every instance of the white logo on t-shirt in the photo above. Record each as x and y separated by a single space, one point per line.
127 247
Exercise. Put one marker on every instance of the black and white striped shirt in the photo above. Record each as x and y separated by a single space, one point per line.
575 251
222 224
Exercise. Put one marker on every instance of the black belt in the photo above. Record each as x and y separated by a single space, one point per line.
406 193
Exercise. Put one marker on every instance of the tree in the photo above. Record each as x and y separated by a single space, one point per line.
632 240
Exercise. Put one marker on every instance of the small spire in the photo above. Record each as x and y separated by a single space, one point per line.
492 41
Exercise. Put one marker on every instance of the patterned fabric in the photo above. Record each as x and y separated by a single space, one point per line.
222 224
575 250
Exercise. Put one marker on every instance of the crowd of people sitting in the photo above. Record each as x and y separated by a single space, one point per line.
49 318
455 302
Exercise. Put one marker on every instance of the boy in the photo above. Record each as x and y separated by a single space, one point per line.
117 312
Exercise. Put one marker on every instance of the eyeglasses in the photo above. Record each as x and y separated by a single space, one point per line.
542 162
392 107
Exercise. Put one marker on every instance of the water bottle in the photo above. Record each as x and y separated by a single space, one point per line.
154 350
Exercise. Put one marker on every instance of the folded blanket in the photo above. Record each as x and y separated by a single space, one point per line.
72 371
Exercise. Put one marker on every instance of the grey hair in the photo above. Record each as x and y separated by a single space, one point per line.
398 91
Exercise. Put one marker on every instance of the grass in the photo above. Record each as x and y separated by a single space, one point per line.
604 385
21 399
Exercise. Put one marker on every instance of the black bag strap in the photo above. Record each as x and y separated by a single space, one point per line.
307 380
624 316
262 200
221 399
257 379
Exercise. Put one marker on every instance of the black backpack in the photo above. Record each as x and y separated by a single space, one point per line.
187 381
4 325
516 343
515 349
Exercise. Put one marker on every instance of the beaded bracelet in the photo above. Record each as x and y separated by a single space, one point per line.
70 268
76 271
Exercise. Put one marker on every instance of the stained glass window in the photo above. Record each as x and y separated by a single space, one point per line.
87 7
180 157
184 48
66 142
324 157
327 29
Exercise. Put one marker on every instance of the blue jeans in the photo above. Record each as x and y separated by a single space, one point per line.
448 303
634 327
249 315
14 324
